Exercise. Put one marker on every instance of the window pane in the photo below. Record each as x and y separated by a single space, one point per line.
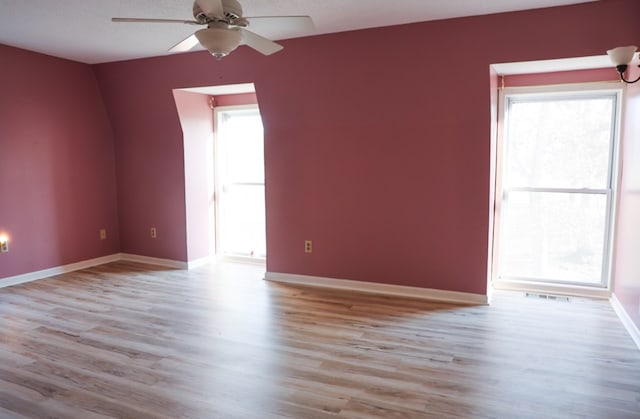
244 148
244 221
556 236
559 143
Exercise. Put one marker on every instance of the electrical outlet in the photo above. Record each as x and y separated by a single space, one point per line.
154 233
308 246
103 234
4 245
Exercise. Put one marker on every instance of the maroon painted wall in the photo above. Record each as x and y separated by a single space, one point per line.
627 263
57 182
149 160
377 141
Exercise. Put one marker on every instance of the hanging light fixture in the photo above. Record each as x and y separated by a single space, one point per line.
219 39
622 57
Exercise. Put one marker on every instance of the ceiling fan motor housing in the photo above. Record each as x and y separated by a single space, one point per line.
232 10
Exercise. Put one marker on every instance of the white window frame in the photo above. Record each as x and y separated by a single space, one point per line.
581 90
218 112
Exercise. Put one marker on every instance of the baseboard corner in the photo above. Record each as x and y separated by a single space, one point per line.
165 263
58 270
624 317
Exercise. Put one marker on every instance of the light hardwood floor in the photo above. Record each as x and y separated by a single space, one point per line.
132 341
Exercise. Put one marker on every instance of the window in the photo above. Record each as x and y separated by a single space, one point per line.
555 186
240 186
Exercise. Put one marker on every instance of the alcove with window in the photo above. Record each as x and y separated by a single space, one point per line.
556 173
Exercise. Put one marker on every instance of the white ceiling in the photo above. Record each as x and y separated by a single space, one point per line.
82 30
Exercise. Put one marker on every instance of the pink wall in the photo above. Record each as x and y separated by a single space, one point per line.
149 160
57 187
377 141
493 160
236 99
196 119
627 262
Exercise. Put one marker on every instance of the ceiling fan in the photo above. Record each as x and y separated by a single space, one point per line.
226 28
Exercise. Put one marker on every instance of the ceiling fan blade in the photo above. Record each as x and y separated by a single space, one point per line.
140 20
268 24
211 7
259 43
185 45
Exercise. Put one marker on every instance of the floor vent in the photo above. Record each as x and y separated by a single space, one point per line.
547 297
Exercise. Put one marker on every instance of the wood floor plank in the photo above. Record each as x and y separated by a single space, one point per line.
126 340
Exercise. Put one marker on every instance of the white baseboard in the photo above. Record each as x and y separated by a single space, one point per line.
546 288
343 284
46 273
378 288
192 264
167 263
626 320
242 259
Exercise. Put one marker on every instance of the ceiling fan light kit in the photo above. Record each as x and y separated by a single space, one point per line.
227 28
219 41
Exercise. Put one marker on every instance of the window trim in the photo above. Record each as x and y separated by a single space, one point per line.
218 115
578 90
